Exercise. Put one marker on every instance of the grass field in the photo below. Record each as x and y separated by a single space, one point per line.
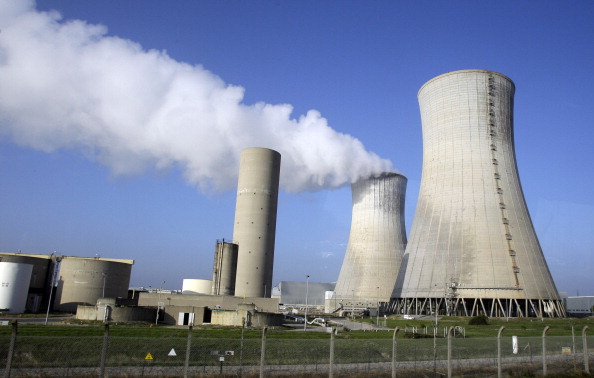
519 327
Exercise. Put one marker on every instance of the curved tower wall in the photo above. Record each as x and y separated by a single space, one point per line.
255 220
14 286
82 281
472 247
376 242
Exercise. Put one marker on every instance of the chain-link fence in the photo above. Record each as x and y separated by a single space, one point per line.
193 356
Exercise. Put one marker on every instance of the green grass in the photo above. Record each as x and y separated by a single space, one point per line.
519 327
80 344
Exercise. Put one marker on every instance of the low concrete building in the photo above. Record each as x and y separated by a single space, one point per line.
188 309
106 310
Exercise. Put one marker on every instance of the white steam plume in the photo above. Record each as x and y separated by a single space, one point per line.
67 84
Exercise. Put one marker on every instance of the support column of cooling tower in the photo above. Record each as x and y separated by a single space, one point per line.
376 242
255 221
472 247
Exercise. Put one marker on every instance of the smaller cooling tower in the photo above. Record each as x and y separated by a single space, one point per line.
225 267
14 286
376 242
255 221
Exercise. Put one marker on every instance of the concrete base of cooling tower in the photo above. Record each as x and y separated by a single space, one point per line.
491 307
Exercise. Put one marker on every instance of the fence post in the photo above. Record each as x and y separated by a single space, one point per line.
499 351
394 351
263 351
450 351
585 346
13 336
188 348
331 366
104 350
544 350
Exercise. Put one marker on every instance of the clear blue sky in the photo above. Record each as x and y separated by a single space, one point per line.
122 139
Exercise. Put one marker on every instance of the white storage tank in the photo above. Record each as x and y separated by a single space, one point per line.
196 286
14 286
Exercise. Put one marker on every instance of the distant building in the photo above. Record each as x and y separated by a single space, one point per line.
580 306
294 293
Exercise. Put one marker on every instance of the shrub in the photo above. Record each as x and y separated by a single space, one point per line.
479 320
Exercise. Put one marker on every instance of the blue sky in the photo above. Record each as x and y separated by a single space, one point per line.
97 155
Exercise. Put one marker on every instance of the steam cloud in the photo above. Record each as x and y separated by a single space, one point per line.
68 85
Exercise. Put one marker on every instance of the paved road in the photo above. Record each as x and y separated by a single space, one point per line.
37 320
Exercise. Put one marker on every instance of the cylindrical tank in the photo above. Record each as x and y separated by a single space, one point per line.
14 286
472 247
376 242
40 263
84 280
225 268
255 220
196 286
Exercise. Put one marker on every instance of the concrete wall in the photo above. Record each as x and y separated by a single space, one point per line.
251 318
210 301
116 314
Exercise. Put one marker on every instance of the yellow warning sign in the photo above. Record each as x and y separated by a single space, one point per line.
149 356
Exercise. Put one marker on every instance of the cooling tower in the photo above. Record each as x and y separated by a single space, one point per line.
472 247
376 242
255 221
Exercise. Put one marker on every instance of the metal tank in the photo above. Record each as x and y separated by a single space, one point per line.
224 269
472 247
41 265
14 286
255 220
39 286
196 286
376 243
84 280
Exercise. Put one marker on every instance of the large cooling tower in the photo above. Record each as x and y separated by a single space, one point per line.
255 221
376 242
472 248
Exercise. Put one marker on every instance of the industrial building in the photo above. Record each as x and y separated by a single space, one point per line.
254 229
298 294
376 243
83 280
38 290
197 309
580 306
67 280
472 247
224 270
